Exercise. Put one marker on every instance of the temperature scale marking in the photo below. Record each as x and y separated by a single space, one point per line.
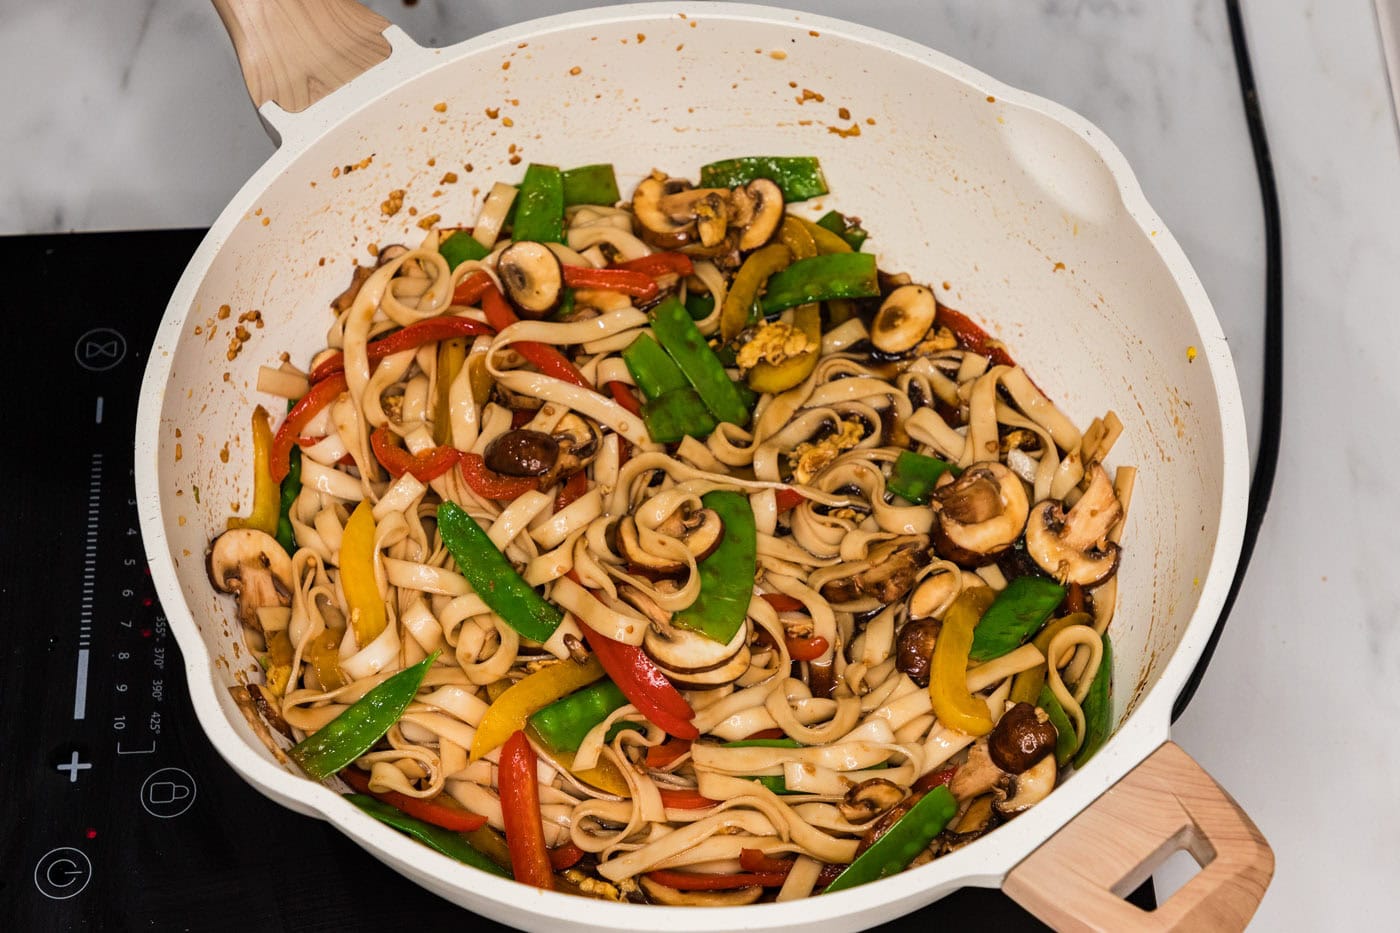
89 585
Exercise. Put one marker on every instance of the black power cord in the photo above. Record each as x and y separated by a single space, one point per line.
1262 484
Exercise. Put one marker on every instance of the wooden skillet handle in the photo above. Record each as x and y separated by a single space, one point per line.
294 52
1078 879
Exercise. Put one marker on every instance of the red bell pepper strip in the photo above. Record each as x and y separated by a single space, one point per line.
471 288
644 685
429 811
321 394
566 856
659 756
622 394
774 733
700 881
788 498
428 330
684 799
806 649
935 779
488 484
626 281
972 337
659 264
520 810
781 602
755 860
543 357
519 417
426 465
572 491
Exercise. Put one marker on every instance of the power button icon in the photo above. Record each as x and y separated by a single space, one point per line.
62 873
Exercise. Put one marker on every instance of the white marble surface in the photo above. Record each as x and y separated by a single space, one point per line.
130 114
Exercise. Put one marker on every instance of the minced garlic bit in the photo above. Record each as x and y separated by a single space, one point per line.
936 341
773 343
430 221
810 458
394 203
440 107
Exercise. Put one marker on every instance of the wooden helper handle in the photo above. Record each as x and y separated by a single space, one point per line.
294 52
1078 879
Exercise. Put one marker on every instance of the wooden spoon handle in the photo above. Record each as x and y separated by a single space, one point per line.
294 52
1078 879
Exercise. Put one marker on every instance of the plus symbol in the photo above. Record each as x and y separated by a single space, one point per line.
75 764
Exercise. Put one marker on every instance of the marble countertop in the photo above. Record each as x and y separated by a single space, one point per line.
141 120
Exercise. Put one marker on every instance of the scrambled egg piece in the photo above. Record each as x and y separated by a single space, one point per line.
773 343
809 459
595 886
936 341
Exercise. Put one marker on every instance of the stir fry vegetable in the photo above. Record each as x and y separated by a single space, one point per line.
673 549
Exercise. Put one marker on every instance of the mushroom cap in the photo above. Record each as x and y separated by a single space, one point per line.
252 565
1023 736
980 515
903 319
869 799
533 277
893 567
1074 548
758 209
1028 788
914 648
522 452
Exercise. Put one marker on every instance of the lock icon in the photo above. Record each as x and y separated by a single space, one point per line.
168 792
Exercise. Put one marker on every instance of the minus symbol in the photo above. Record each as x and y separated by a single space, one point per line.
100 403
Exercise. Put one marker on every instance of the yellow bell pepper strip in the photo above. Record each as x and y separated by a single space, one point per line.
451 356
606 776
1019 609
323 654
827 242
359 726
909 836
779 377
847 228
797 238
743 291
677 333
266 490
453 845
277 663
1098 708
459 247
539 208
953 703
291 488
1027 685
493 578
590 184
1066 742
367 618
799 177
511 710
820 278
726 576
914 476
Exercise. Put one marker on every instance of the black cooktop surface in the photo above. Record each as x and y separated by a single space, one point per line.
117 813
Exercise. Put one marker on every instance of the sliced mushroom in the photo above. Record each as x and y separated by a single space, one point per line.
533 278
701 530
976 821
914 648
522 452
980 515
639 560
579 442
1074 548
869 799
687 653
903 319
758 210
893 568
254 567
671 213
882 825
1022 737
1027 788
